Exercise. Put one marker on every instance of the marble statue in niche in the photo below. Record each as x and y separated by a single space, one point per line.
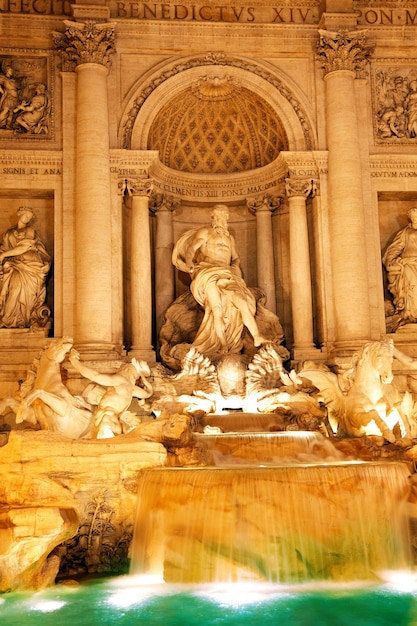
25 103
219 314
400 261
24 265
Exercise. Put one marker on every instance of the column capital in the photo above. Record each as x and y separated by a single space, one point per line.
305 187
343 50
160 203
266 202
85 42
135 186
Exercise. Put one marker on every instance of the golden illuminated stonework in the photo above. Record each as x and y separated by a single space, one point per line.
217 126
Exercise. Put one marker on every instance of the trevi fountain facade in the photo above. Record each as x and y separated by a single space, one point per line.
207 214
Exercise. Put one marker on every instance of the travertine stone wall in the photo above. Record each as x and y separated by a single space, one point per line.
331 107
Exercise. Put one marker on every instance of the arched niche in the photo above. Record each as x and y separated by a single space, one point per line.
150 95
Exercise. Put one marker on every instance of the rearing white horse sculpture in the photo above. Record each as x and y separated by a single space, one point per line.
364 400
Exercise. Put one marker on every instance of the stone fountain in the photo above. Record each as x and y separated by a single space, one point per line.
223 461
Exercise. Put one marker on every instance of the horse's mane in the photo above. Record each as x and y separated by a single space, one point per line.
27 384
365 355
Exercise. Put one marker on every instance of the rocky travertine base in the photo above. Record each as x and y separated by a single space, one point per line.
53 489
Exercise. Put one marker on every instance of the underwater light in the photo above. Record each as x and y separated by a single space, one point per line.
133 590
240 594
124 598
402 581
47 606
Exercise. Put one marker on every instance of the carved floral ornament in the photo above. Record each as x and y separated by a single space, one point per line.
343 50
136 187
301 187
87 42
266 202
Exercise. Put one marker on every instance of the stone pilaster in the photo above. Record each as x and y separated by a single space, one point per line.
263 207
87 47
298 190
163 207
343 55
140 269
65 269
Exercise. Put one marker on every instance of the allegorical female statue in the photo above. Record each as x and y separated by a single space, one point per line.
400 261
24 265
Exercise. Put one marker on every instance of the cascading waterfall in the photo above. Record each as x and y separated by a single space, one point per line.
275 521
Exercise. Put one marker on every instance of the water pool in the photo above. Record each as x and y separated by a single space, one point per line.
122 602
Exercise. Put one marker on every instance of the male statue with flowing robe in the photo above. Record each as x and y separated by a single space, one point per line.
209 255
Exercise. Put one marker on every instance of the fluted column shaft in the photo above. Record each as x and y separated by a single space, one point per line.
343 55
300 272
141 274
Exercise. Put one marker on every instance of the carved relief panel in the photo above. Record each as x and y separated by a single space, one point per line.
394 88
25 96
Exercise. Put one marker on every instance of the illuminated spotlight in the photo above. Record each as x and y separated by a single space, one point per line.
237 594
47 606
134 590
404 581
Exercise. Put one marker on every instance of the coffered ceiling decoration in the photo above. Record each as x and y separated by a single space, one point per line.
215 126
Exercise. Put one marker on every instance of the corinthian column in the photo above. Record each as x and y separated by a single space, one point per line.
88 46
263 207
140 270
300 274
164 270
342 55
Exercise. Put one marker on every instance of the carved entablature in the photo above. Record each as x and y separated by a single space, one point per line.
26 100
204 187
308 165
394 92
393 171
22 165
87 42
133 165
343 50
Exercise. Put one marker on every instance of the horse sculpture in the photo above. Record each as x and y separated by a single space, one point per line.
364 400
101 411
44 399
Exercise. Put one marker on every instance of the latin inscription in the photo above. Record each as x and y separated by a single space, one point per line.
32 171
217 193
276 13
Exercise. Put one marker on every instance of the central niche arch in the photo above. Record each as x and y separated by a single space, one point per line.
235 96
217 126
